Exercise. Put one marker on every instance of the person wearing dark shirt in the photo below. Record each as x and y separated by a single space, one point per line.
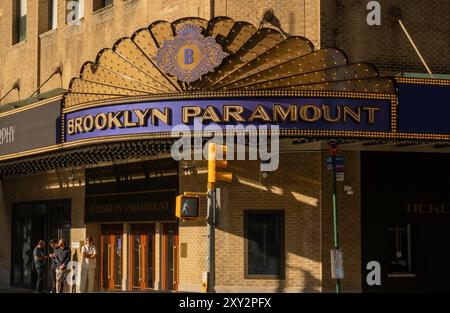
39 264
53 264
62 259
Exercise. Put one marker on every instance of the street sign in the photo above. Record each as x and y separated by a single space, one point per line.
337 266
340 163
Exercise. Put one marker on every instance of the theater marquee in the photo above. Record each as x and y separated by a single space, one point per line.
289 113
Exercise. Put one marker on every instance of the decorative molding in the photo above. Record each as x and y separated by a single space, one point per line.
257 59
103 14
423 81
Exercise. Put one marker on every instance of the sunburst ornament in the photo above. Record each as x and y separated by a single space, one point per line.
152 62
190 55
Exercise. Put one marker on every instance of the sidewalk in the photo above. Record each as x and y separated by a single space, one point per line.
5 289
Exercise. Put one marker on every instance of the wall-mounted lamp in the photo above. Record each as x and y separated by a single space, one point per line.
16 86
268 16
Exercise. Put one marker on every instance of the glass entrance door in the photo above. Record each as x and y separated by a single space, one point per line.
142 261
34 221
111 257
170 257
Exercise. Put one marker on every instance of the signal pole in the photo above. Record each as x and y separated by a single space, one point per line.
211 233
213 176
333 152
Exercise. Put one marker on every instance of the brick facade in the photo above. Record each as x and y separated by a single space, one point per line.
343 25
326 23
301 186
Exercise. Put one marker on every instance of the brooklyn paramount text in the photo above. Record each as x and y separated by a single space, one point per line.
308 113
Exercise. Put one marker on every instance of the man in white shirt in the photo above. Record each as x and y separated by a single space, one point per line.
88 266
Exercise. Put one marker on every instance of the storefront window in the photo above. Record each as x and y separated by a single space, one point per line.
264 244
399 245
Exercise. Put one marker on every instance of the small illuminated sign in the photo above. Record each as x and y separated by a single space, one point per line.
187 207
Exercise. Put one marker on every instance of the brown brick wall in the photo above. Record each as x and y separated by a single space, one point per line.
326 23
73 45
302 187
294 188
343 25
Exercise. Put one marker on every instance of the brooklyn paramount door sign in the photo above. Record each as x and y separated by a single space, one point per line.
289 113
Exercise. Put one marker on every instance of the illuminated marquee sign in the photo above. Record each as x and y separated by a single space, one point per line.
331 114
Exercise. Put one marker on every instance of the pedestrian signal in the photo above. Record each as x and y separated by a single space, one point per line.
187 207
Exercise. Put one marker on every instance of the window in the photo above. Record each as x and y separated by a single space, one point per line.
400 250
19 26
74 11
264 244
99 4
53 14
47 15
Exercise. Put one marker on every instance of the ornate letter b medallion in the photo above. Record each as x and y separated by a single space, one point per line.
190 55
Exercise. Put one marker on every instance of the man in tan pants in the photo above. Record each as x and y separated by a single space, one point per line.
88 266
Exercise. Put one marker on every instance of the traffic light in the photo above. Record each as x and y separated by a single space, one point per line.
213 164
187 207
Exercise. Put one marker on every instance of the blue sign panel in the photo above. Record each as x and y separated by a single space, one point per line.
289 113
424 109
340 163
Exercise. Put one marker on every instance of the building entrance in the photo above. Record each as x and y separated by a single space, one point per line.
32 222
142 256
111 257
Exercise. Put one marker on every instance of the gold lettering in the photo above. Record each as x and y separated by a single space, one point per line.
233 111
189 112
114 120
128 119
88 123
210 114
163 117
280 113
427 208
78 125
371 114
260 114
348 111
70 127
101 121
142 116
317 113
327 114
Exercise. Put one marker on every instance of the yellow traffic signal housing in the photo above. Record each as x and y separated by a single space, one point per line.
187 207
213 164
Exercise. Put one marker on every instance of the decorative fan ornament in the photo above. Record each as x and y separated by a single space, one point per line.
178 57
220 55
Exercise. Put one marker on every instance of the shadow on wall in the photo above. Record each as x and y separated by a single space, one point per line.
310 283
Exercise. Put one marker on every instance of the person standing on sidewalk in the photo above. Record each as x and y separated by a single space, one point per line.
39 264
62 259
53 264
88 266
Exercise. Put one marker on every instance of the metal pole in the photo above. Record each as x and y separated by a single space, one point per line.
212 9
335 213
415 47
210 251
